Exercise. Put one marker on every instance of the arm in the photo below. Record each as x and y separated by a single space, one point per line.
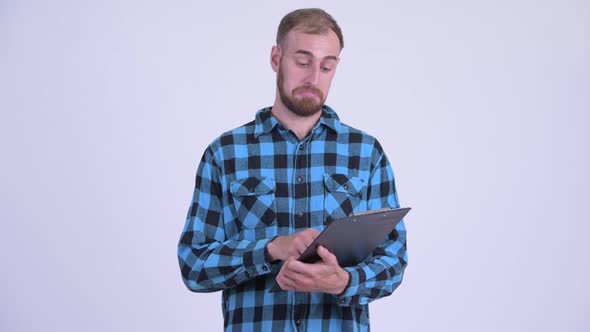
382 272
208 261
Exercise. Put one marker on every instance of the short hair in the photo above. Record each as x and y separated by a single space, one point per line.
309 20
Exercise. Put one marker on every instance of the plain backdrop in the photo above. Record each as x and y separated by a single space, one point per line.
107 106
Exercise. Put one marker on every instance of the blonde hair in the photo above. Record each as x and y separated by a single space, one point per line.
309 20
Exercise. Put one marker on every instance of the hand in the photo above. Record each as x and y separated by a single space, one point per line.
325 276
287 246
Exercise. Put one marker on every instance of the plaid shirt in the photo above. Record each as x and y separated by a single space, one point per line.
259 181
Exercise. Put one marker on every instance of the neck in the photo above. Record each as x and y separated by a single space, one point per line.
300 125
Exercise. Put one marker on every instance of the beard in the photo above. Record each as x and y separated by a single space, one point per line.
302 106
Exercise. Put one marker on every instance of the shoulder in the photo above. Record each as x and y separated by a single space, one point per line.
234 136
352 135
244 134
234 144
346 134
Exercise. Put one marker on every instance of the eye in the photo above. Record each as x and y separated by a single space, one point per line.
326 69
303 63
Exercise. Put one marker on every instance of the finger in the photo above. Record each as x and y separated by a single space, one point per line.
284 282
312 233
297 270
288 278
327 256
306 237
301 246
300 243
297 247
291 267
309 235
298 282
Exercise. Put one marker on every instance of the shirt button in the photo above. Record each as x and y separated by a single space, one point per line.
341 301
299 179
300 215
298 322
301 147
345 187
264 268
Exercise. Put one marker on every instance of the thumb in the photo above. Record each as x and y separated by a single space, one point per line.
327 256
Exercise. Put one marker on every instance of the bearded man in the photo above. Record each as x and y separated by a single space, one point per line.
265 190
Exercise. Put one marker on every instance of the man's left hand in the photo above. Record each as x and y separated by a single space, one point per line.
325 276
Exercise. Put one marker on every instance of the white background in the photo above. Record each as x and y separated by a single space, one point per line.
107 106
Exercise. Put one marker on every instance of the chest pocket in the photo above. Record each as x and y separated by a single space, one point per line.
343 195
254 200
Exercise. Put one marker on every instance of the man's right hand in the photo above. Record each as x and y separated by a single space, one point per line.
283 247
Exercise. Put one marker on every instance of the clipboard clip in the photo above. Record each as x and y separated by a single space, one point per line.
356 214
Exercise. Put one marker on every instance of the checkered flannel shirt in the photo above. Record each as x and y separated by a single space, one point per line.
259 181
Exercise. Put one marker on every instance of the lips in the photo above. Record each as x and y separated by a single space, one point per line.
307 92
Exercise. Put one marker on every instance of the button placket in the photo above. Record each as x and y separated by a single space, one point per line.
300 187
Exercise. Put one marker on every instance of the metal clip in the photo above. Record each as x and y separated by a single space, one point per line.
371 211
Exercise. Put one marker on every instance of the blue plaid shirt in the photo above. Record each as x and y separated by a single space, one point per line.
259 181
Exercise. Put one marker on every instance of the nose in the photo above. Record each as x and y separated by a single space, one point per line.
313 75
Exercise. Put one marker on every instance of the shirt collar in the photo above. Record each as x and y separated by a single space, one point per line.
265 122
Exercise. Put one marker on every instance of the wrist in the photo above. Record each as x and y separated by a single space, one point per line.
345 277
273 250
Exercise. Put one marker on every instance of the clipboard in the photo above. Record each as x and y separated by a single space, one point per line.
353 238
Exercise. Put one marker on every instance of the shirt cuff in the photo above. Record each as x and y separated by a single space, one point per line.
348 296
257 261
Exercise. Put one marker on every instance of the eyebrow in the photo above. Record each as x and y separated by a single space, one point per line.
304 52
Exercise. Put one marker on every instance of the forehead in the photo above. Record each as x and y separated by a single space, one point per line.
319 45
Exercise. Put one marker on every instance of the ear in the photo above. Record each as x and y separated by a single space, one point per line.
275 58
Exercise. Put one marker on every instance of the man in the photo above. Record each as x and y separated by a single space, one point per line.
264 191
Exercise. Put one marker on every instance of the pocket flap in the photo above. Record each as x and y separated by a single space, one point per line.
342 183
252 186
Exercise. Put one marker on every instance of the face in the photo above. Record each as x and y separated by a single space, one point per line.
305 66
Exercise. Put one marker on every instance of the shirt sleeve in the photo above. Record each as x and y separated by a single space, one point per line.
382 272
208 261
